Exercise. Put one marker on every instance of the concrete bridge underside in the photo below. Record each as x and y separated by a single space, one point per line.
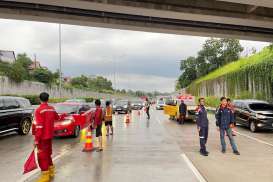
243 19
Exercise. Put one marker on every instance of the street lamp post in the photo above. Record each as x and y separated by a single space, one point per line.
60 60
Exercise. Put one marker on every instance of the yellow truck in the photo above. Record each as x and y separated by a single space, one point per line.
171 108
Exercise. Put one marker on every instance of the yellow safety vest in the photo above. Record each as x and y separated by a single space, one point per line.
108 114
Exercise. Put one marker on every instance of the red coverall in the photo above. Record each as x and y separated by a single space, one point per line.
45 116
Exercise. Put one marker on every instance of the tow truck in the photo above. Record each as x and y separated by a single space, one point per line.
172 107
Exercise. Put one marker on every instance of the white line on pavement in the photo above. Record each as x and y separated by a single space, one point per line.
189 163
253 138
193 168
31 174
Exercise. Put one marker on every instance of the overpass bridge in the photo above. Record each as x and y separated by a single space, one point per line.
242 19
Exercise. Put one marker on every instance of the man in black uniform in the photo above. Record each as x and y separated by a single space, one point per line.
182 112
202 126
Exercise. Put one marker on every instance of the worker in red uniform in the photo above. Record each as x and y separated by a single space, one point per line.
45 116
97 123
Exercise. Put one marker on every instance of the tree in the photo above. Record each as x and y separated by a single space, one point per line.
188 67
4 68
99 83
80 82
43 75
25 62
214 54
16 72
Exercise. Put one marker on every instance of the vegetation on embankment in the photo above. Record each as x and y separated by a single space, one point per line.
266 55
34 99
250 77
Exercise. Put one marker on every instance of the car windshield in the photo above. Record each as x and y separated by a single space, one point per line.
160 102
137 102
68 109
261 107
122 102
75 100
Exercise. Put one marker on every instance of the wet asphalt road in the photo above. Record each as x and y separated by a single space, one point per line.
139 151
254 164
14 149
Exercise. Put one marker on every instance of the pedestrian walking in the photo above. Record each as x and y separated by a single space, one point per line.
108 118
231 107
224 121
45 116
182 112
202 126
147 108
97 123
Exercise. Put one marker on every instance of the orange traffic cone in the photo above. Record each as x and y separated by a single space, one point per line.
88 146
127 120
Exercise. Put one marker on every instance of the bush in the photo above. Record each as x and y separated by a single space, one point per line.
33 99
211 101
57 100
245 95
89 99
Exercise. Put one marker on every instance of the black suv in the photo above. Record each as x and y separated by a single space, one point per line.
15 115
122 106
254 114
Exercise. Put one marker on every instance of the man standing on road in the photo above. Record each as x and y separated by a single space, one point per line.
108 118
45 116
97 123
182 112
224 119
231 107
147 108
202 126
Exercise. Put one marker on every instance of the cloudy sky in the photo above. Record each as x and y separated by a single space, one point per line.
142 61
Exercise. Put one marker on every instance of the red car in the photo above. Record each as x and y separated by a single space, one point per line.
73 117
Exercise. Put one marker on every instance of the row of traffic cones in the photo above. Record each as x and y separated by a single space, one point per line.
127 117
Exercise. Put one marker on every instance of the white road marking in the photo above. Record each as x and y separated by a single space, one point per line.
255 139
189 163
31 174
193 168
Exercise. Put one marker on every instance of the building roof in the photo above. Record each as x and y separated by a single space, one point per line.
7 56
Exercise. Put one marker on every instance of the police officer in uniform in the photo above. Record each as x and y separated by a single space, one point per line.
202 126
45 116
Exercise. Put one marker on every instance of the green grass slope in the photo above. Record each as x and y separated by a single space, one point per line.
265 55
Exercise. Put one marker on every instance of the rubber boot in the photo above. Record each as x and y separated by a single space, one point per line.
52 171
45 177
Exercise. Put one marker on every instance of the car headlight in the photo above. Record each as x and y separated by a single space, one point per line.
67 122
259 116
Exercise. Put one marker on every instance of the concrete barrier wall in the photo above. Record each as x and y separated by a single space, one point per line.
34 88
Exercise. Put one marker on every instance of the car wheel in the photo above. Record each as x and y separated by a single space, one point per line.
76 131
252 127
24 127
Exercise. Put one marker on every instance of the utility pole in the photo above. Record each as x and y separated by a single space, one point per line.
60 60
